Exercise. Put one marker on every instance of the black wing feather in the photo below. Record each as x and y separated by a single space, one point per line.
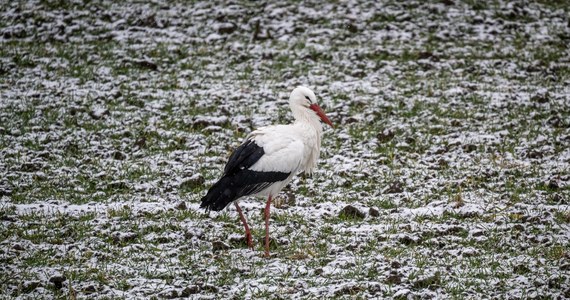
245 156
238 180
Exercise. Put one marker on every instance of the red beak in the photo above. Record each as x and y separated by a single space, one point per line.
321 114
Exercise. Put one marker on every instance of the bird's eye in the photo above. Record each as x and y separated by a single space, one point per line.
308 99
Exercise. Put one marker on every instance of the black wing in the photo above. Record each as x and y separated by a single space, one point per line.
245 156
238 180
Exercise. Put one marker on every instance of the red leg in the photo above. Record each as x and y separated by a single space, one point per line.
244 221
267 207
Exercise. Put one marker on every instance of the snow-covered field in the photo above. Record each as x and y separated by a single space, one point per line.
447 176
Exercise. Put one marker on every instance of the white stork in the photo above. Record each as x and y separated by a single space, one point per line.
269 158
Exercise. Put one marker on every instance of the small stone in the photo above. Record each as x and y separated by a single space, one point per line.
477 233
227 28
58 280
410 140
352 28
534 154
469 148
219 246
118 155
117 94
395 264
395 187
189 290
181 205
373 212
408 240
146 64
351 212
18 247
90 289
351 119
456 123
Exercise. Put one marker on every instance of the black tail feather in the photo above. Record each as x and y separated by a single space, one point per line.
219 195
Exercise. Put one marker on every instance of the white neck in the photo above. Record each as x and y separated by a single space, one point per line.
306 115
311 131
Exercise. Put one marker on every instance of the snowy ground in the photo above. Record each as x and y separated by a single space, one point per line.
448 174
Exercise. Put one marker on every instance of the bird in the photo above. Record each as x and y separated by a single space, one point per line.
269 158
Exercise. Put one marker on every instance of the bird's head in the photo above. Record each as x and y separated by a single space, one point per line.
303 100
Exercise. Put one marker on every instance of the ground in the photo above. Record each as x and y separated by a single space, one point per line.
447 174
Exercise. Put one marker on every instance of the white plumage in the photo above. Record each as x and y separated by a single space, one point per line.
270 157
284 151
